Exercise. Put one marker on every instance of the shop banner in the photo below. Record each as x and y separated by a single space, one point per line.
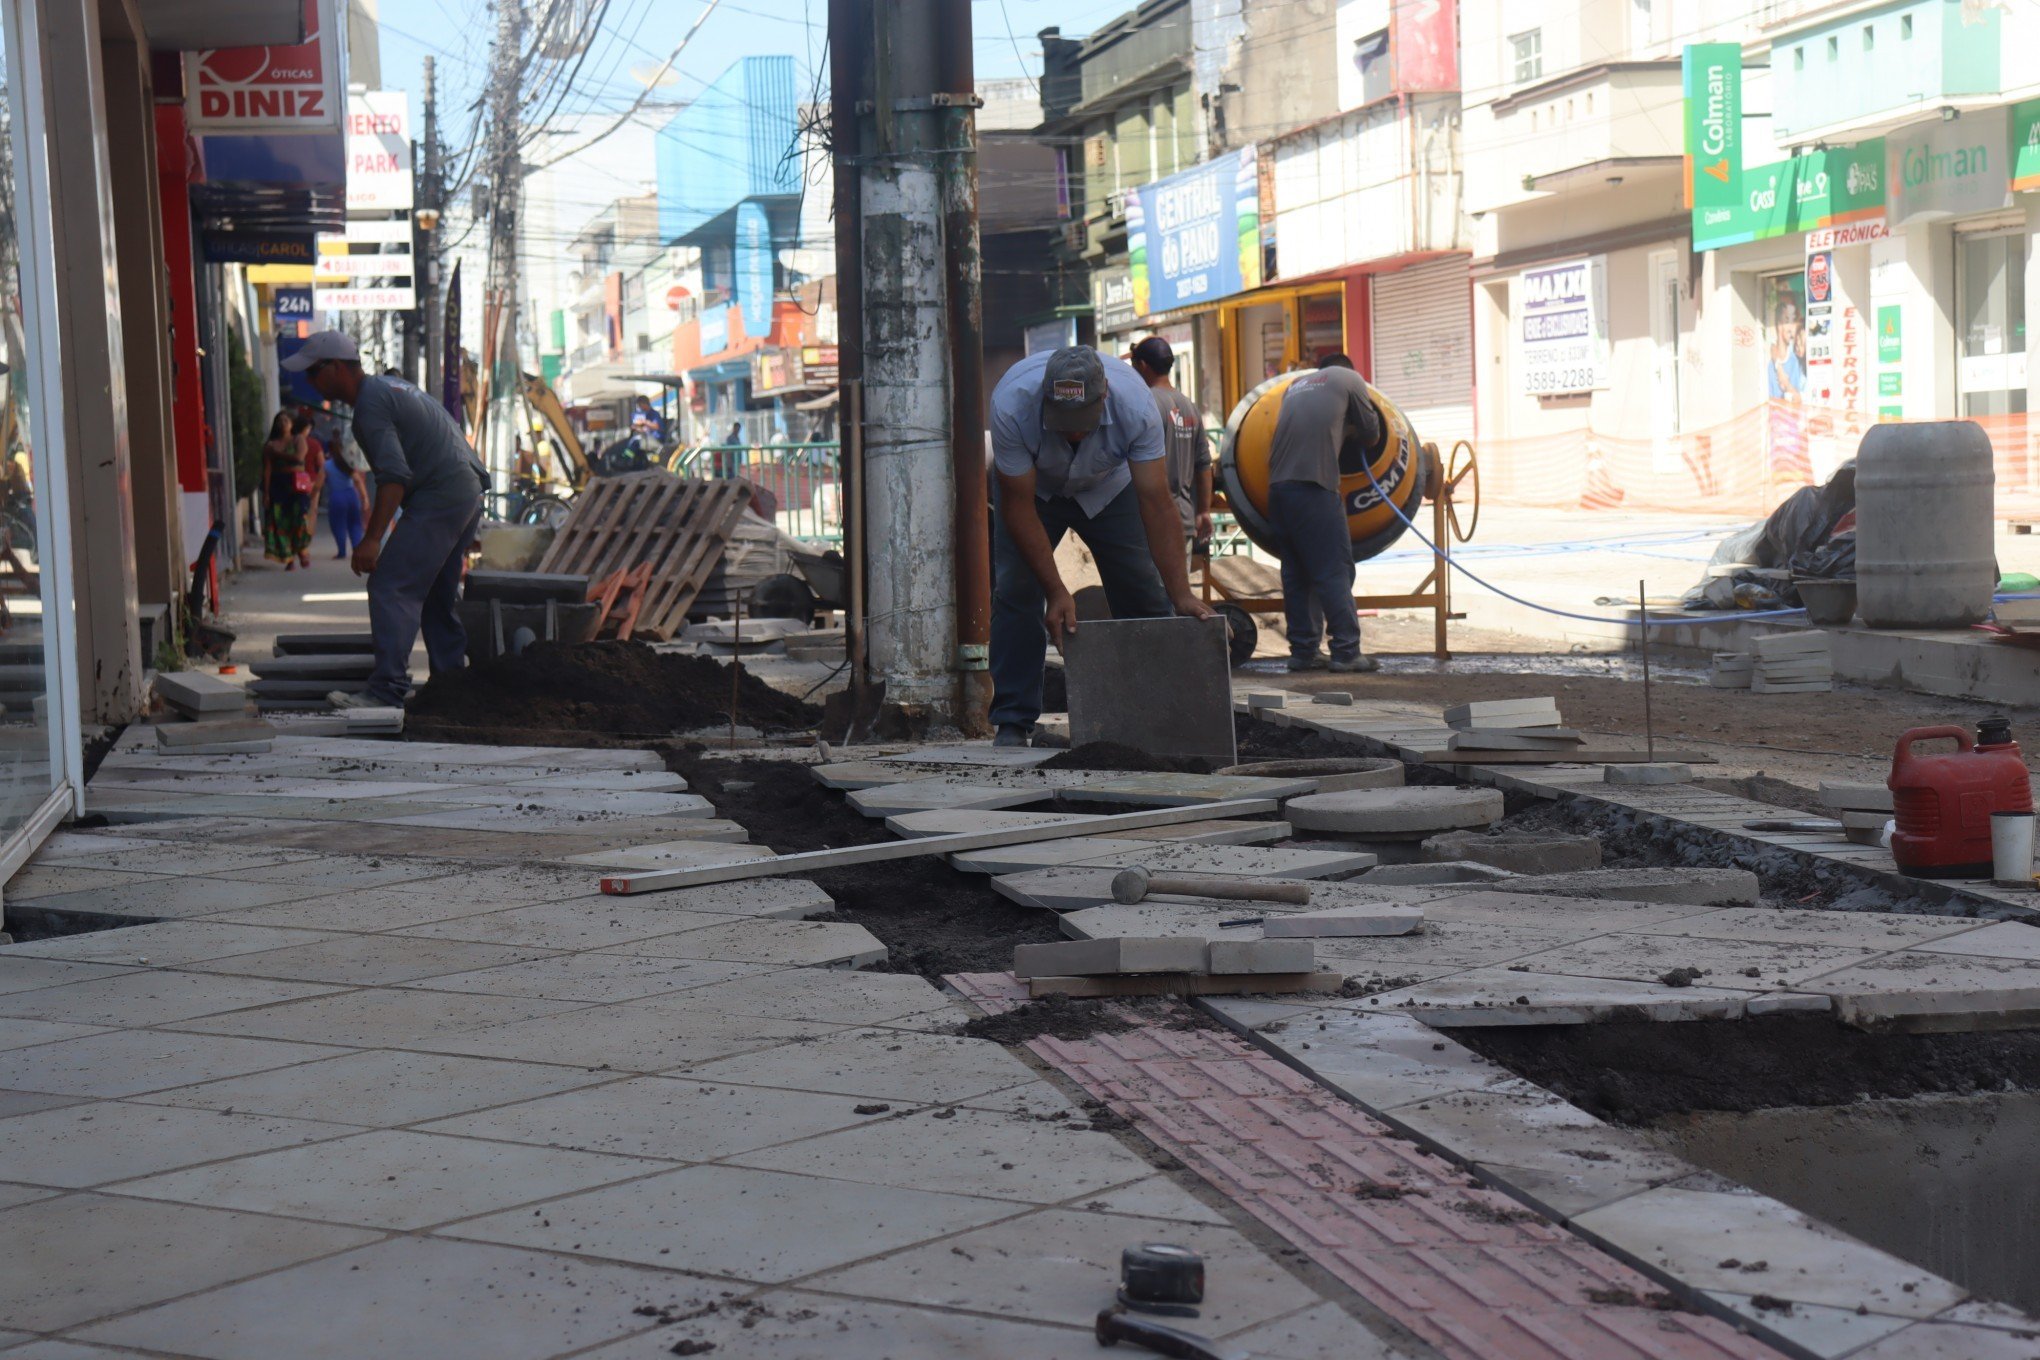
379 151
1843 187
271 89
1713 89
1195 237
1563 319
2025 146
1820 328
293 307
239 247
1112 301
753 256
450 375
1950 169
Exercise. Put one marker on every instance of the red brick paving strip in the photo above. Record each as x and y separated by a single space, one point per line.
1473 1272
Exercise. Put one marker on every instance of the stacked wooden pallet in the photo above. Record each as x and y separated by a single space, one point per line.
677 528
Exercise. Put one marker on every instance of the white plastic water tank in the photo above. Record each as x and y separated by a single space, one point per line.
1925 532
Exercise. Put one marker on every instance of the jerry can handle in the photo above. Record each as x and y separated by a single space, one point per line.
1903 753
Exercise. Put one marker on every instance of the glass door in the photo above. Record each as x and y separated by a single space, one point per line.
1990 334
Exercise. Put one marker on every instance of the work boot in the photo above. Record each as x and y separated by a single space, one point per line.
1354 665
341 699
1306 661
1012 734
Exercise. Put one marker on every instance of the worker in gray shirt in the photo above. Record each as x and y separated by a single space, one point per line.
1076 446
424 466
1327 422
1186 448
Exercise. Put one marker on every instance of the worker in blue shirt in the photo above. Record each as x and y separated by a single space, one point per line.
1076 446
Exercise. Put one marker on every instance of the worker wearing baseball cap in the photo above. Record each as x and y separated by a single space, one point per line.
424 466
1076 447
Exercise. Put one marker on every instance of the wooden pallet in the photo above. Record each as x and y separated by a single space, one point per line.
676 527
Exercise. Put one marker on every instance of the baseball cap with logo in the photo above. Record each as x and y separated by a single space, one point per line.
322 346
1073 390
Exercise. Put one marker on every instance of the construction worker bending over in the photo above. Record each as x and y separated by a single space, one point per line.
1327 421
1076 446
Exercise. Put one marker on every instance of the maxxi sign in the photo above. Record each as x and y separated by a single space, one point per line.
272 89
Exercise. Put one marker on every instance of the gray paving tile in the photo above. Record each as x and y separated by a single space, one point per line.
1688 1233
46 880
109 1140
26 973
1497 996
381 1088
883 1064
1156 1197
833 996
965 1152
595 977
367 909
389 1178
11 1195
785 1324
1325 1332
589 923
667 1117
801 944
51 1349
165 857
1823 1331
370 960
658 1221
381 1018
1853 929
158 898
1723 963
411 1297
128 1062
153 996
1911 984
631 1036
13 1103
334 872
2002 940
1055 1263
76 1258
1382 1059
166 944
1938 1340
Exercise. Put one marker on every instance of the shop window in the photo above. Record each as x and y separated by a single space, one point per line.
1869 38
1370 58
1526 53
1905 28
1799 57
1990 339
1834 47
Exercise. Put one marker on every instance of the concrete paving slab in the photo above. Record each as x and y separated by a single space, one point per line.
1156 1197
1380 1059
363 911
79 1257
872 774
2001 940
951 822
982 755
380 1088
631 1036
1938 1340
1582 915
888 800
47 880
1052 1263
1190 716
380 1018
130 1062
593 977
965 1152
389 1178
1217 831
832 996
86 1145
1496 996
160 898
1700 887
1326 1332
530 817
1689 1233
1246 861
591 923
776 1324
28 1033
1721 963
429 1296
879 1064
1388 918
681 854
1394 812
1450 945
1183 790
1935 991
332 873
1015 859
197 692
795 944
666 1118
26 973
656 1221
370 960
153 997
1822 1331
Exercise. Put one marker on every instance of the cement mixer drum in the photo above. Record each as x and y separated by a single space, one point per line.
1398 466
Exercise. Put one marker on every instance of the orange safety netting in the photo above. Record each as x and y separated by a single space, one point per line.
1744 466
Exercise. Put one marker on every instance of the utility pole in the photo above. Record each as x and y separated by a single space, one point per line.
911 311
506 192
429 219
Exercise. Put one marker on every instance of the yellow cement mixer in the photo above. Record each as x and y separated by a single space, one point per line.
1404 472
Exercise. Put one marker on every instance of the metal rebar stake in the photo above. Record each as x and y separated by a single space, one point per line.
1643 644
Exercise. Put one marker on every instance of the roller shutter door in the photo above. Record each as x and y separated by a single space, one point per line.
1423 347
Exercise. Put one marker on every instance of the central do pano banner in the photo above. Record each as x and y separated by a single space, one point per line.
1195 237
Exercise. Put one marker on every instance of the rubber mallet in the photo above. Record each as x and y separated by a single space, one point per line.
1134 885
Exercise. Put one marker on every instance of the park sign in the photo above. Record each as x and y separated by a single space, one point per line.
1713 88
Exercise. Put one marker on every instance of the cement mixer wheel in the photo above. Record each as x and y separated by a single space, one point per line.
1461 485
1243 635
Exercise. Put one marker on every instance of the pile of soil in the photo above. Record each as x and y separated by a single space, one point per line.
1637 1071
931 919
1111 755
612 687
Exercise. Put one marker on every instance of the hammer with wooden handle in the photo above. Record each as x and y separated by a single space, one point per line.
1132 885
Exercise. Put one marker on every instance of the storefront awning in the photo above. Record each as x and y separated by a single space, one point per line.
196 25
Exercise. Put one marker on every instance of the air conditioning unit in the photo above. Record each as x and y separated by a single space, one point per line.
1075 234
1096 151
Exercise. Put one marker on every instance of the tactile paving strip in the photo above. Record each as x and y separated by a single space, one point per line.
1471 1271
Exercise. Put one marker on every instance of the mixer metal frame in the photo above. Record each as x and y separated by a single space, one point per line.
1449 482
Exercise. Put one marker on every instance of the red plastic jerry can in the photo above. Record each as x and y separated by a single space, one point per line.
1943 802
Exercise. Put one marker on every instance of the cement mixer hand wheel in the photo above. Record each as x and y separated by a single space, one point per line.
1461 486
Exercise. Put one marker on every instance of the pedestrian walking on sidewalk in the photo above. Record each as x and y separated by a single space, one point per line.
346 499
1076 447
1327 422
287 494
1186 446
424 466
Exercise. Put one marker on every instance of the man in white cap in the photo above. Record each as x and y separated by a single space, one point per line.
424 466
1076 446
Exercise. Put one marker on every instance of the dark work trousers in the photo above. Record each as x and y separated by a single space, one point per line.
416 584
1117 538
1317 568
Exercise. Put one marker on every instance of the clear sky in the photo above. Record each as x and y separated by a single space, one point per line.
639 34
